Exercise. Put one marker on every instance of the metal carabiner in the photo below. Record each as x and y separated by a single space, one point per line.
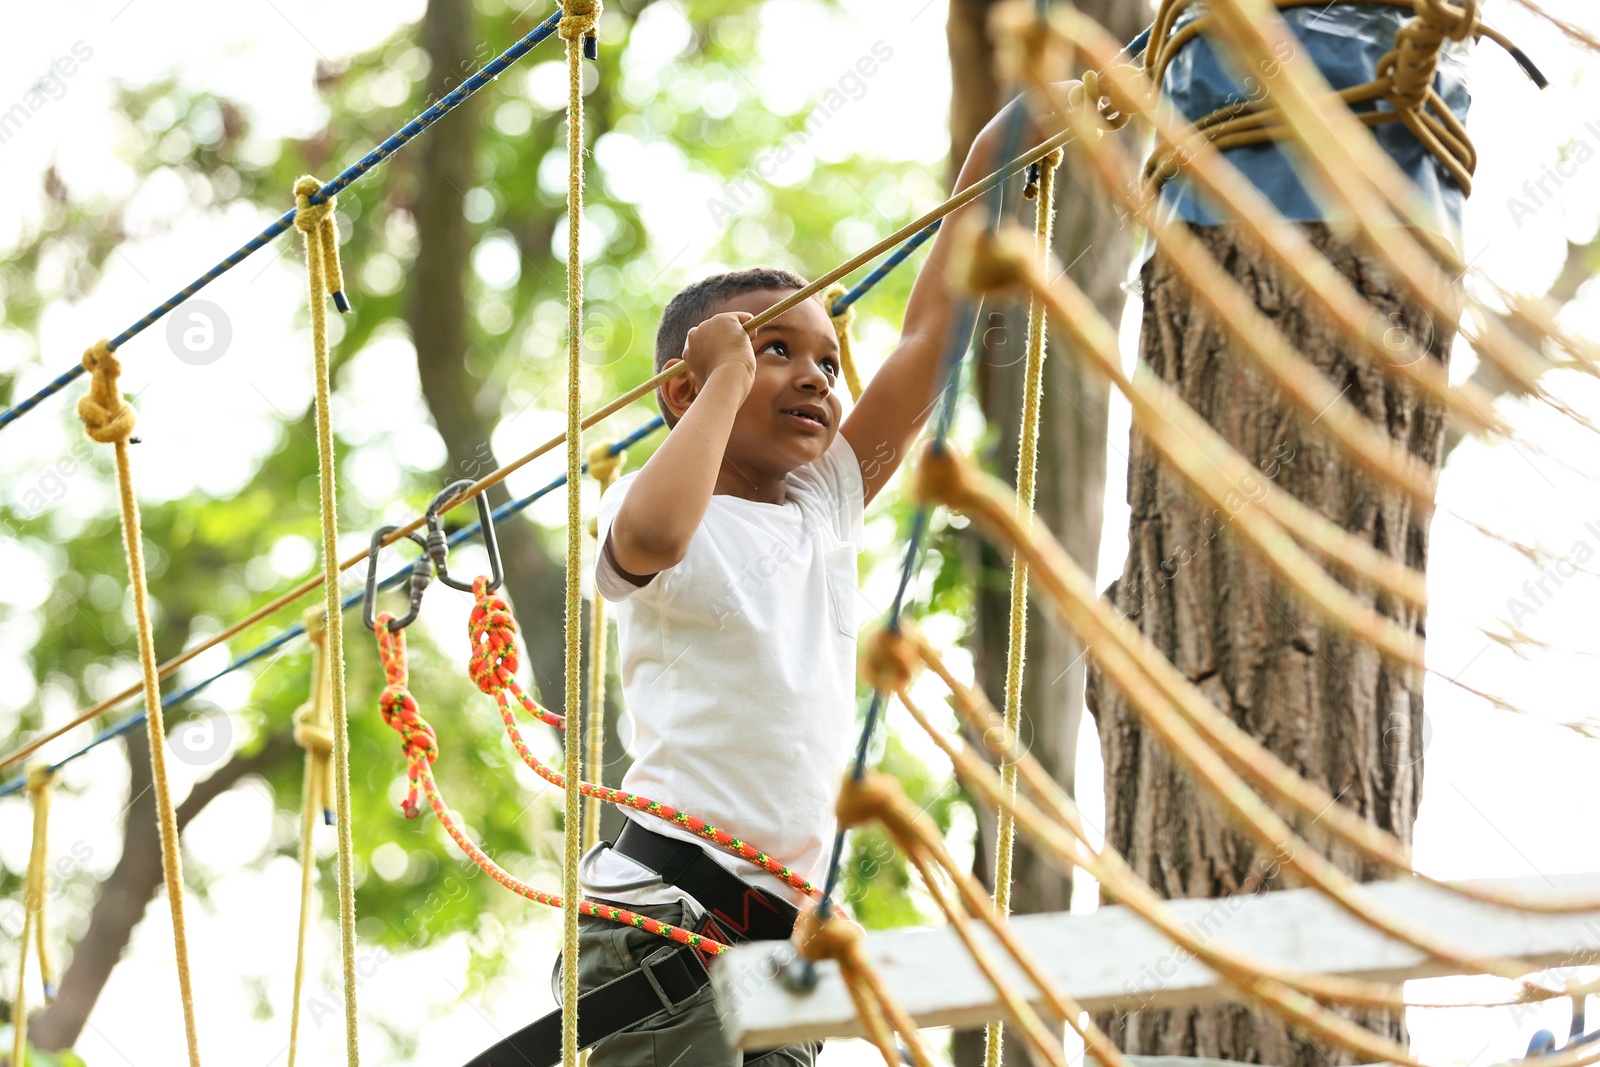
421 574
438 546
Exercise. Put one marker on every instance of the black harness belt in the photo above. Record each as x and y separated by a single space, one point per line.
735 912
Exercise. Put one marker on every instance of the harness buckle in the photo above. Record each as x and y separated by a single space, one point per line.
665 954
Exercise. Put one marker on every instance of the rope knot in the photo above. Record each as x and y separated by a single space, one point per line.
940 478
1456 22
494 639
831 938
604 464
993 261
308 216
399 709
1104 97
579 18
107 417
843 322
870 797
40 778
322 243
888 660
311 735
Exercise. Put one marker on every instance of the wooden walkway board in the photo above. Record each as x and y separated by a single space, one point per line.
1112 959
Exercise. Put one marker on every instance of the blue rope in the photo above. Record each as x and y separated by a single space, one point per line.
958 341
896 258
286 220
298 629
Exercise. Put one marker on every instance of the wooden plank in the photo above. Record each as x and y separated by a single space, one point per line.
1112 959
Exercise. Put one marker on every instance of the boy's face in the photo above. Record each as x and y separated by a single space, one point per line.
794 407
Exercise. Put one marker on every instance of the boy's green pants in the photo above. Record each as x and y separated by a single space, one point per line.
688 1035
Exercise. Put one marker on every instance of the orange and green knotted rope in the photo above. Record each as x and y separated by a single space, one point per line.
494 662
399 710
491 625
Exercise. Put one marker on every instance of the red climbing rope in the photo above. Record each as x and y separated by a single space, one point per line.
399 709
494 662
493 633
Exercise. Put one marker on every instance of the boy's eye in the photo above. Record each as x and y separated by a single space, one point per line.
831 366
775 346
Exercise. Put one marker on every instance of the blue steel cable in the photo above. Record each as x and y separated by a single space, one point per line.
958 340
372 159
282 638
897 257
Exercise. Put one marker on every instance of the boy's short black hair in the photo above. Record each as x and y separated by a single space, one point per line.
698 302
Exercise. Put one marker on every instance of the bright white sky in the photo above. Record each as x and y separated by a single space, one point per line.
1501 793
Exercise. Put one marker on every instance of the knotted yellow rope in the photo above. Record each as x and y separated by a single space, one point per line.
604 467
1017 646
842 322
109 419
40 779
311 733
1403 78
578 22
836 938
325 277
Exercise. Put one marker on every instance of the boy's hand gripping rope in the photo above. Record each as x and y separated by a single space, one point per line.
421 747
109 419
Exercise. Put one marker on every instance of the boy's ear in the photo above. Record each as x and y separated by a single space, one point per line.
678 392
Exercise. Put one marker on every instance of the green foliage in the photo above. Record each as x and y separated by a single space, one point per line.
213 559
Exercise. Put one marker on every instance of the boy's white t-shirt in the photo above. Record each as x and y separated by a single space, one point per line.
738 669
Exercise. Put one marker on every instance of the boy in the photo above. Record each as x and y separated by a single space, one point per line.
731 556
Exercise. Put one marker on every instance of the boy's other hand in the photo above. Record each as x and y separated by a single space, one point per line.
720 343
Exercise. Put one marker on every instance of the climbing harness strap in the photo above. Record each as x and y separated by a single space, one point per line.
736 911
664 981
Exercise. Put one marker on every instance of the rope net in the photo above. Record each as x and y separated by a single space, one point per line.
1317 560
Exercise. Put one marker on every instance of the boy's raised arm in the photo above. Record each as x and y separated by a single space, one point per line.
670 494
895 406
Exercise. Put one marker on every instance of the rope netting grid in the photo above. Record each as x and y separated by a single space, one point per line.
943 428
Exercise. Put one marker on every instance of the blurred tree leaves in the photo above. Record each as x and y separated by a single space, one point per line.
698 112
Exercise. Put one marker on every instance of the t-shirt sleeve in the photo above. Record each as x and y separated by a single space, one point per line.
607 579
837 477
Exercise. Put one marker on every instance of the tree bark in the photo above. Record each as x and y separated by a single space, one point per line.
1326 704
1072 454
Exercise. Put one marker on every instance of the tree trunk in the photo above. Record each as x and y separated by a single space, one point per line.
1327 705
1072 454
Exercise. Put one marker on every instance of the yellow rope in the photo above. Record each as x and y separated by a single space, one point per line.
325 277
311 733
578 21
604 467
842 322
40 779
109 419
1017 647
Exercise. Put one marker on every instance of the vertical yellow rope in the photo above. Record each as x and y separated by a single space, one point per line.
325 277
1017 648
577 23
311 733
40 779
604 467
841 329
107 418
